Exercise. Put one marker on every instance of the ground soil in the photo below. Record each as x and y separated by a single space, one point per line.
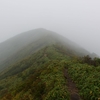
73 90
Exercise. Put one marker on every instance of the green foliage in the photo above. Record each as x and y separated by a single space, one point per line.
38 77
87 59
41 76
87 79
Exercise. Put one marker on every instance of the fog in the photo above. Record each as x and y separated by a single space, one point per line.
78 20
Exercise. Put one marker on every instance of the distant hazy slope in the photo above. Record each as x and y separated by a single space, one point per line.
16 43
29 42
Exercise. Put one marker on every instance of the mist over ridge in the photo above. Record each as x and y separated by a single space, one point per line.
77 20
27 43
49 49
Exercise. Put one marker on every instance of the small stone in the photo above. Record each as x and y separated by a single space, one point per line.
98 98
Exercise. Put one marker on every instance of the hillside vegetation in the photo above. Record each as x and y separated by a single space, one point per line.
86 77
41 77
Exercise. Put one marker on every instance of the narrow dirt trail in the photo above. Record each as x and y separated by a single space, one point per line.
74 95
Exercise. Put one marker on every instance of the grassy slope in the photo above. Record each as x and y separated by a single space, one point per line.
39 77
87 79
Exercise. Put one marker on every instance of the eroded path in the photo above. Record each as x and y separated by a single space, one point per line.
74 95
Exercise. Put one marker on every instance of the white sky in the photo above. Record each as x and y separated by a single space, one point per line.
78 20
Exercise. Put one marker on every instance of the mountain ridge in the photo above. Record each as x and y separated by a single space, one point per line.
27 43
49 68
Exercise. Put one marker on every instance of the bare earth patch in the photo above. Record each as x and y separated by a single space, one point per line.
73 90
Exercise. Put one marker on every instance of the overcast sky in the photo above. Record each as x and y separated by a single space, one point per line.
78 20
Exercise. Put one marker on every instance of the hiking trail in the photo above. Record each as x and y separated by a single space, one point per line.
73 90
